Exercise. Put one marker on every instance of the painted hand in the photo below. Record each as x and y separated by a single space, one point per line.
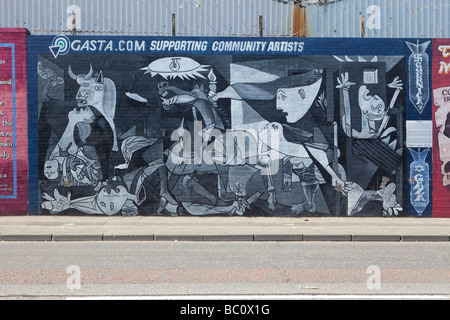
239 207
343 82
57 203
392 211
396 84
344 187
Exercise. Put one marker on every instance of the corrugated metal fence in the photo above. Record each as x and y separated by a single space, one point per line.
378 18
312 18
150 17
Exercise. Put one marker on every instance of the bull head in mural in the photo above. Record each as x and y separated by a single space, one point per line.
98 92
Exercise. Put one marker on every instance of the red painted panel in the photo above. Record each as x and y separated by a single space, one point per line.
441 135
13 123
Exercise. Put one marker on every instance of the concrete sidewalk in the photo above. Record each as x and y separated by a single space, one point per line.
155 228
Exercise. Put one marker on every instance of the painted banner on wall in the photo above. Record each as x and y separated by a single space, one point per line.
419 129
441 134
222 126
13 123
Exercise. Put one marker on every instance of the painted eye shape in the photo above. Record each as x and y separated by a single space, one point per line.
85 84
281 95
103 204
98 88
111 206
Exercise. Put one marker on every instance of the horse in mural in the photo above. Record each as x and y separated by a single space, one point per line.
209 156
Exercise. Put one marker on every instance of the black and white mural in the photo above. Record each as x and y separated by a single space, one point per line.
245 135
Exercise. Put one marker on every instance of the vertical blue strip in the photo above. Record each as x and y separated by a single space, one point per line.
33 184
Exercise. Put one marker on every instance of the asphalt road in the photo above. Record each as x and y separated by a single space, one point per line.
274 270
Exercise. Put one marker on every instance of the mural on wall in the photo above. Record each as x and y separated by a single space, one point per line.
441 134
13 123
252 135
419 129
419 178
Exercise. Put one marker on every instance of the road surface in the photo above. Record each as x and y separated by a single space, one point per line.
223 270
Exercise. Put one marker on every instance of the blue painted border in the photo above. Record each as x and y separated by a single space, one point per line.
312 46
38 45
33 147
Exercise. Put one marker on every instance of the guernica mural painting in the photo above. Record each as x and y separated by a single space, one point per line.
227 126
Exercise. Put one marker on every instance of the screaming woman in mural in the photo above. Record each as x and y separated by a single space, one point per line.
374 114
